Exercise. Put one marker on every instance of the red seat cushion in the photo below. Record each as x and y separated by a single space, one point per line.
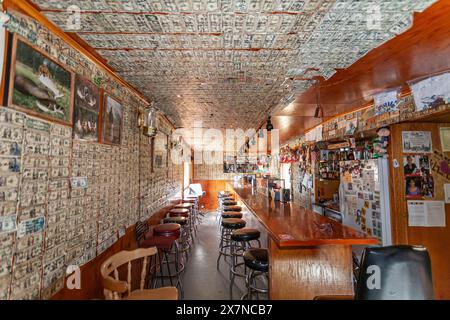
164 243
167 230
184 205
179 213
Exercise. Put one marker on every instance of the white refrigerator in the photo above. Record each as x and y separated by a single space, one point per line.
364 197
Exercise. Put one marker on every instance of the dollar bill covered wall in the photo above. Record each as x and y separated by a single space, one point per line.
63 201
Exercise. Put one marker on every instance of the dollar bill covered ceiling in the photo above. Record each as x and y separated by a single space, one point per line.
230 63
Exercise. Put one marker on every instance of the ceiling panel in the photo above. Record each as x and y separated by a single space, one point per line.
229 63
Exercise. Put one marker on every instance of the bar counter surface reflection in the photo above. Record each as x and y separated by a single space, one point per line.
309 255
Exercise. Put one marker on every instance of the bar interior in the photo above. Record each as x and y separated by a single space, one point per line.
225 150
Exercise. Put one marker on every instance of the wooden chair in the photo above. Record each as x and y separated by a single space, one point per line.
116 289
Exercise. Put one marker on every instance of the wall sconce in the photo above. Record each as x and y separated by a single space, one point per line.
148 121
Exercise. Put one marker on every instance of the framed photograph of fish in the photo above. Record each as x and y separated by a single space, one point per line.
86 110
112 116
38 84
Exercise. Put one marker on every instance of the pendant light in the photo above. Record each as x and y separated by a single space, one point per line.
269 125
319 110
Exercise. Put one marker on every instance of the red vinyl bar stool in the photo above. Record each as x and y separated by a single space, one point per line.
146 239
190 204
170 231
228 226
185 238
183 212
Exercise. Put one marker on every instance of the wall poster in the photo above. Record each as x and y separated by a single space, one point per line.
112 121
419 182
86 110
444 133
39 85
160 150
386 102
417 142
431 92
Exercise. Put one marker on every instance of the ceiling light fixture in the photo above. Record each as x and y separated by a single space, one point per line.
319 110
269 125
151 121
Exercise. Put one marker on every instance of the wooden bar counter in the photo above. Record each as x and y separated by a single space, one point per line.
309 255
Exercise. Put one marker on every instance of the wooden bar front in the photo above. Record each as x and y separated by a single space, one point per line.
309 255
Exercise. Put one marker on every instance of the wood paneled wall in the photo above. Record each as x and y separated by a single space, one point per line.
437 240
91 282
211 187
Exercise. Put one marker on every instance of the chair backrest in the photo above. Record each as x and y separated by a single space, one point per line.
141 229
395 273
114 288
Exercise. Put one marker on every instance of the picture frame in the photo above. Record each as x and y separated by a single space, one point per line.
112 121
86 110
39 85
160 151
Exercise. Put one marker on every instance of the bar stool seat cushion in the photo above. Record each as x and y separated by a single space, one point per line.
233 223
232 208
227 199
184 205
167 230
179 212
223 194
229 203
231 214
245 234
180 220
257 259
164 243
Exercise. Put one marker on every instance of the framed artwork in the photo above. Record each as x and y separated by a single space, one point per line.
112 121
38 84
160 150
86 110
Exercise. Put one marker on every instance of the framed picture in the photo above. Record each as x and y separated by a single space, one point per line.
160 150
38 84
417 142
112 121
86 110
